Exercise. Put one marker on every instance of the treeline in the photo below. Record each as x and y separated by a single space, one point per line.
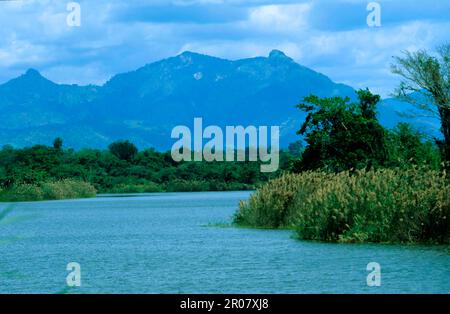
122 168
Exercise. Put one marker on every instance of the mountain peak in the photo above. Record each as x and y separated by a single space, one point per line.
187 53
277 54
33 73
32 76
191 54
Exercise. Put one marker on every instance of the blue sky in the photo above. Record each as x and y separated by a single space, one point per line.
331 37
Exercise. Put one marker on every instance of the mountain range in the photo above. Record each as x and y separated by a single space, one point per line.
144 105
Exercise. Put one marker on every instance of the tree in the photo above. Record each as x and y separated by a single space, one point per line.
429 77
341 135
124 150
407 146
295 149
58 143
368 103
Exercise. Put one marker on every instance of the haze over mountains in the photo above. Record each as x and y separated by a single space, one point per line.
144 105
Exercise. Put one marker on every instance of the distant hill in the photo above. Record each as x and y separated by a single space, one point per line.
144 105
392 111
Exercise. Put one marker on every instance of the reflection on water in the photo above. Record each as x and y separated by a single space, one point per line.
176 243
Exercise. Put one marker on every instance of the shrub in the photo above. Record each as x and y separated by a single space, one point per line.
22 193
365 206
55 190
124 150
148 187
268 206
187 186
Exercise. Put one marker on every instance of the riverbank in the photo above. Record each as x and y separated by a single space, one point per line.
385 206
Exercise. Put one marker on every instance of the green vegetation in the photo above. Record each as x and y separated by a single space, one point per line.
426 84
42 172
56 190
406 206
342 135
124 150
407 147
356 181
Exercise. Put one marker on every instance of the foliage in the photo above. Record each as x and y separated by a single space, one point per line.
26 170
123 150
58 143
387 205
341 135
407 147
296 149
429 77
148 187
368 184
55 190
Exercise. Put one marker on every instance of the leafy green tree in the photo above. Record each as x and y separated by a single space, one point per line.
407 147
295 149
368 103
124 150
428 76
58 143
341 135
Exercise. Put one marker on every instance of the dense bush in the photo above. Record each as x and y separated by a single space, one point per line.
124 150
341 134
148 187
56 190
178 185
22 193
405 206
408 147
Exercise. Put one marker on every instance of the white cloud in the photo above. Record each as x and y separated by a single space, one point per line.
280 18
35 34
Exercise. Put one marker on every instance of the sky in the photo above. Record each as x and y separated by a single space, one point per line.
331 37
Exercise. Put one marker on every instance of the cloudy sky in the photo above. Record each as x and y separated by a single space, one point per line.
331 37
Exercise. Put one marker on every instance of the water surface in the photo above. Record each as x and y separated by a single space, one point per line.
170 243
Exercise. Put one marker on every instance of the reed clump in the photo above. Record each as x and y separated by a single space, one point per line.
388 205
54 190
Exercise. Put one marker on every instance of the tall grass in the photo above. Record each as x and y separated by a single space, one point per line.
148 187
178 185
405 206
56 190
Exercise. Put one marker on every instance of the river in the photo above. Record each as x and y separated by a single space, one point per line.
182 243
